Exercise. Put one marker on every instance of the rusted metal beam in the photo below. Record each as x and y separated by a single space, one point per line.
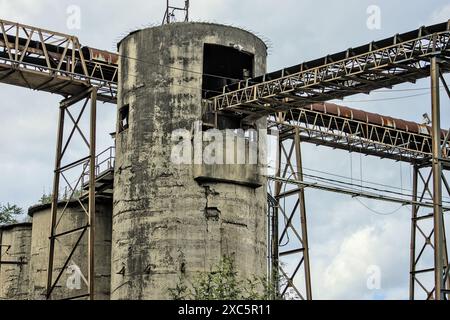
359 131
42 55
55 200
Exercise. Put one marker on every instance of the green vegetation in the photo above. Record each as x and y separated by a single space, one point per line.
8 213
223 283
48 198
45 199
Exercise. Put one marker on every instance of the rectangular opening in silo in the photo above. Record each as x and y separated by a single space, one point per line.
124 118
224 66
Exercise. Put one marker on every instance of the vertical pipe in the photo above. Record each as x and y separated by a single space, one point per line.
167 13
415 209
275 281
275 230
55 196
303 216
437 182
92 162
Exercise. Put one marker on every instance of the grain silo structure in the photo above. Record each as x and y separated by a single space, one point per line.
169 219
72 281
15 248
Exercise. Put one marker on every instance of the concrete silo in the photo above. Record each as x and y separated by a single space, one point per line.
15 247
172 220
73 217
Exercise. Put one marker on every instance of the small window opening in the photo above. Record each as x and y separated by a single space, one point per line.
224 66
124 117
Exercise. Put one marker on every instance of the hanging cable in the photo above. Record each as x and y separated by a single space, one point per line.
379 212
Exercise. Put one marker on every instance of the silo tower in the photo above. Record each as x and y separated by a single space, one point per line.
173 220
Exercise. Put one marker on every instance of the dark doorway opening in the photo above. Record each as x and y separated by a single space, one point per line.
223 66
124 118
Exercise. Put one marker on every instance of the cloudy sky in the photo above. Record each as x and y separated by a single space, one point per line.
347 240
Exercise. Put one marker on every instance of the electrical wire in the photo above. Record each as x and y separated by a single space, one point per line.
180 69
346 101
350 178
379 212
371 209
388 99
234 80
354 188
402 189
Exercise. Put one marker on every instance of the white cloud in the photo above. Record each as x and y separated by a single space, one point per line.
346 276
441 15
24 10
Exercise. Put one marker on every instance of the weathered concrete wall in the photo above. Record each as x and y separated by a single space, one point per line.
165 223
15 247
73 218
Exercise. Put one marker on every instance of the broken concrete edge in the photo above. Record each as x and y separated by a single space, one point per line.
207 179
195 22
70 204
15 225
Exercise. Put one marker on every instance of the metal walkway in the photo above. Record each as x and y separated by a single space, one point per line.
381 64
54 62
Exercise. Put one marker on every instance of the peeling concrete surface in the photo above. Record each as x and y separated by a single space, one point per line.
73 218
165 223
15 247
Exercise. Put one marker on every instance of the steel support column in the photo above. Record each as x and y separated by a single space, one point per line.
273 250
92 176
422 267
437 183
303 217
87 166
291 214
428 182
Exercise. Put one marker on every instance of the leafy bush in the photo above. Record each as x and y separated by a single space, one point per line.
8 213
224 283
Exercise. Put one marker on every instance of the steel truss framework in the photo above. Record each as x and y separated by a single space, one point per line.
382 64
289 212
339 132
50 61
59 206
420 150
422 238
